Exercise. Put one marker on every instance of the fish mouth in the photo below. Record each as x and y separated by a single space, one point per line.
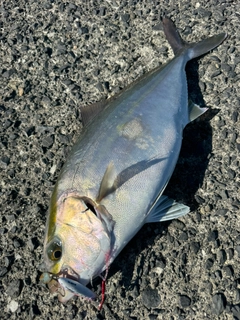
66 282
65 272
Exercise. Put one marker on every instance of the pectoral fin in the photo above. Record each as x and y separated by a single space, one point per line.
107 185
166 209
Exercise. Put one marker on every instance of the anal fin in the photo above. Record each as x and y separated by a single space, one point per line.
195 111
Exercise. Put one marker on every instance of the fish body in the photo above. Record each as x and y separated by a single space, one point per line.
114 177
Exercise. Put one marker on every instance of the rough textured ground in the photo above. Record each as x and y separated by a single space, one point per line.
56 56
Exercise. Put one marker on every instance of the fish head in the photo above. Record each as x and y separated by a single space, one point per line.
77 244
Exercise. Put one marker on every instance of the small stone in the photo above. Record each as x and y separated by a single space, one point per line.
157 27
72 7
161 263
216 73
3 271
213 235
237 297
152 316
218 274
61 48
208 287
236 312
151 298
229 271
183 236
7 124
5 160
222 256
195 246
230 253
3 230
231 173
20 91
185 301
224 194
9 260
177 224
222 212
102 11
209 264
199 199
84 30
46 102
16 243
47 142
48 5
30 130
238 251
218 303
13 306
14 289
125 17
235 116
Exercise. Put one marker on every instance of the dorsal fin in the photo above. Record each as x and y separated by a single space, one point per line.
91 111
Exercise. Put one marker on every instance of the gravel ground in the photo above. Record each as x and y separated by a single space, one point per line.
56 56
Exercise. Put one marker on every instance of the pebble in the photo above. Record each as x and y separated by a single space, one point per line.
151 298
177 224
238 250
213 235
5 159
230 253
13 306
183 236
218 303
195 246
14 288
236 311
237 295
222 256
229 271
209 264
48 141
3 271
185 301
125 17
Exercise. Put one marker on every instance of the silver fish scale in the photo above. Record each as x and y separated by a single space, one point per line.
141 133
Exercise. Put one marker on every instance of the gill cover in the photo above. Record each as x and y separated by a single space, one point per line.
83 234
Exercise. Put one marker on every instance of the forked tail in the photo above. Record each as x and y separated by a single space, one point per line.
193 50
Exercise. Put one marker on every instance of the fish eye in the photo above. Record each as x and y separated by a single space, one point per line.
55 250
57 254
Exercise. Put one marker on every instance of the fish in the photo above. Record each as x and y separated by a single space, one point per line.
113 180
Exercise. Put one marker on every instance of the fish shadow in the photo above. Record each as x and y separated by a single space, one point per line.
186 179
